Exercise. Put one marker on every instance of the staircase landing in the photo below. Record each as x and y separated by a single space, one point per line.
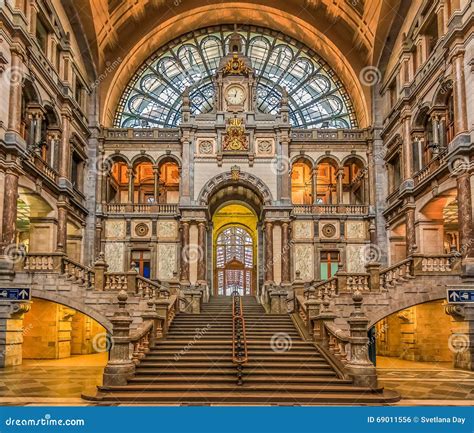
193 365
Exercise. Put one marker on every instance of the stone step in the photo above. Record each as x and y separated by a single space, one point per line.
204 371
231 378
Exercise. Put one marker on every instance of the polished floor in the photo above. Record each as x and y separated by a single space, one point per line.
61 382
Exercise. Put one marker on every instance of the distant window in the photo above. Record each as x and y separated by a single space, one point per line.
329 264
142 260
42 35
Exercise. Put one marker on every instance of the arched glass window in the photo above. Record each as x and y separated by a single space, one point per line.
317 98
234 261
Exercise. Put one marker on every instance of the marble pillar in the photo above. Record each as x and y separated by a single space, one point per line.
340 186
202 265
131 179
459 87
16 82
269 252
65 153
465 215
411 246
9 208
285 253
407 149
62 227
185 253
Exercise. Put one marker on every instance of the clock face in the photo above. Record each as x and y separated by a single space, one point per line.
235 95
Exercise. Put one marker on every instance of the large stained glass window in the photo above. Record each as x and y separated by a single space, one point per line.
317 98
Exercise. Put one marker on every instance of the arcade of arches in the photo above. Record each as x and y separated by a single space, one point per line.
179 157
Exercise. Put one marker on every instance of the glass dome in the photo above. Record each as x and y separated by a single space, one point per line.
317 98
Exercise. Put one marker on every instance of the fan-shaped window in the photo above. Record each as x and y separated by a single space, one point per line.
317 98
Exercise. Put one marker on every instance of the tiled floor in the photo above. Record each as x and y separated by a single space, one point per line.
61 382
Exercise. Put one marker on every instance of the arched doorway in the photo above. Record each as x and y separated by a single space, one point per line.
235 242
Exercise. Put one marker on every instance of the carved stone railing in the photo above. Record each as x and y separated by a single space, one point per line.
116 281
431 167
145 208
396 274
329 209
141 341
43 167
42 262
76 272
338 343
431 264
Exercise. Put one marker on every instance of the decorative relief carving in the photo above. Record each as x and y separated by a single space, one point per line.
167 229
114 253
265 146
355 258
235 139
166 261
329 230
236 66
142 229
355 230
205 147
115 229
304 257
303 229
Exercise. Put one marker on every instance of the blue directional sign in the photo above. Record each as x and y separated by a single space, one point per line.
15 294
460 296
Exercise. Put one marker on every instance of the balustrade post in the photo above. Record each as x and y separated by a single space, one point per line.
120 366
373 269
278 301
326 315
100 268
132 279
359 367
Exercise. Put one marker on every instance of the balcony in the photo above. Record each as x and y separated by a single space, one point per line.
147 209
40 165
331 209
436 163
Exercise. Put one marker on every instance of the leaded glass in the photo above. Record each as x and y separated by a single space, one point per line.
316 96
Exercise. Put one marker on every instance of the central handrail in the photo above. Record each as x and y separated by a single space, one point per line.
239 336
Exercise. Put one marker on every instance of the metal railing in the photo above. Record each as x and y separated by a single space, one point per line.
239 337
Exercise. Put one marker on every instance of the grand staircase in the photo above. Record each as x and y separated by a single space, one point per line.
193 365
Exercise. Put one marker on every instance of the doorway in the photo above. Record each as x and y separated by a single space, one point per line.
235 250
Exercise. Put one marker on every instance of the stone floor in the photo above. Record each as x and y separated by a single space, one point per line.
61 382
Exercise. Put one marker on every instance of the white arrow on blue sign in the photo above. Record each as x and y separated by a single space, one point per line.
460 296
15 294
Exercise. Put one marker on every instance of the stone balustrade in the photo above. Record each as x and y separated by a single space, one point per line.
145 208
77 272
436 264
438 161
141 341
396 274
329 209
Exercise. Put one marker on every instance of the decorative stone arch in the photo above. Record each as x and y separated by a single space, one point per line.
226 179
76 305
142 157
169 158
31 187
110 160
333 158
445 87
356 157
437 293
420 115
307 158
449 185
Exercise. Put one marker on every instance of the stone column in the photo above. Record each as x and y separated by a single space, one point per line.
156 184
16 83
62 226
340 192
466 235
370 193
65 153
285 253
411 246
131 180
9 208
407 149
38 121
435 126
12 331
185 253
202 263
284 169
268 252
315 184
460 110
185 183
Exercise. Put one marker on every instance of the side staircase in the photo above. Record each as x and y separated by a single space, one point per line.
194 365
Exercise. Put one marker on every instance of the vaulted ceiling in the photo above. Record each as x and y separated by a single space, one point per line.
119 35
